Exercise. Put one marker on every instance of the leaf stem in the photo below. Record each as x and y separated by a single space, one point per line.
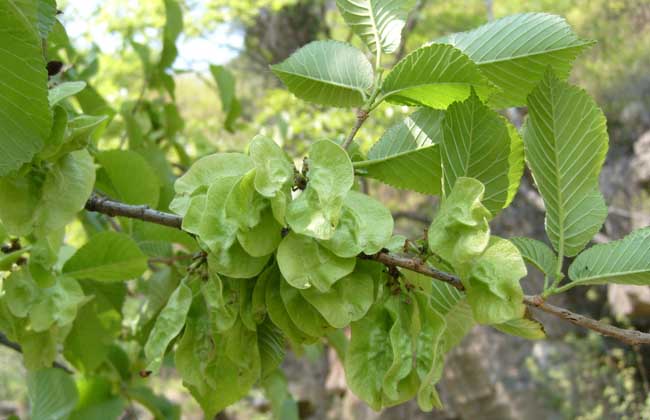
362 116
364 111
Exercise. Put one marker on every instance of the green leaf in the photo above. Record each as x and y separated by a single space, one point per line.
622 262
26 118
262 239
221 301
52 394
206 216
159 406
515 51
88 343
39 349
204 172
64 90
230 105
97 401
317 210
537 253
57 135
65 191
46 17
402 344
434 76
244 205
274 174
107 256
347 300
21 196
8 260
270 342
407 156
327 73
460 232
381 359
273 168
215 378
365 226
452 304
246 303
476 144
304 263
515 162
194 349
566 143
429 351
21 292
278 312
258 299
46 205
492 284
529 329
168 324
378 23
276 388
123 168
236 263
303 315
369 355
80 132
57 304
173 28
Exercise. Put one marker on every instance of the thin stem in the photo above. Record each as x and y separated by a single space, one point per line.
416 264
562 289
627 336
363 112
362 116
114 208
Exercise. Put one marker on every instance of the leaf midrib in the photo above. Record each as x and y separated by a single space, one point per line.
610 275
375 29
516 57
326 82
395 91
371 162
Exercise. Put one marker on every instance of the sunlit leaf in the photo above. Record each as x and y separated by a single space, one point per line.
407 156
26 117
327 73
460 232
365 226
513 52
317 210
378 23
304 263
434 76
